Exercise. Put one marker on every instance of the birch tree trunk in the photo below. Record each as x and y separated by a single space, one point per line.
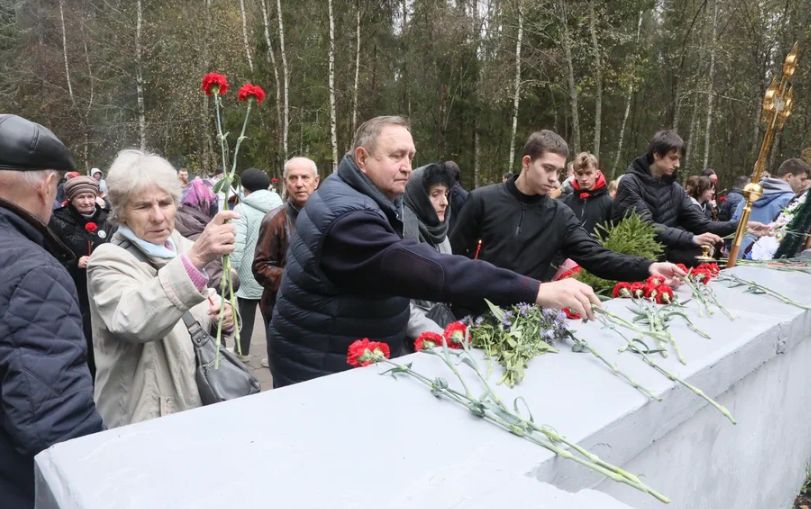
65 52
91 96
517 96
285 77
271 58
598 76
332 126
357 68
567 51
139 76
628 100
688 153
245 35
710 93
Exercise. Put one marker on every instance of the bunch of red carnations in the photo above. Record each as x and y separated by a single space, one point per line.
654 288
703 273
363 352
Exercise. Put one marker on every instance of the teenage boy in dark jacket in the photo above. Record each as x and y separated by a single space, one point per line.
46 393
589 199
515 225
650 188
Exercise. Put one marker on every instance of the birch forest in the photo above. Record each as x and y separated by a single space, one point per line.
475 77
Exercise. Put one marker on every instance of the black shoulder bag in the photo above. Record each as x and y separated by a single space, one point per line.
217 379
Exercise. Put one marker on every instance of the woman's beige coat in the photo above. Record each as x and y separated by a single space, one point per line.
144 355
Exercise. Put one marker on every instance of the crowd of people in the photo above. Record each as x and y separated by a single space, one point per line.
99 270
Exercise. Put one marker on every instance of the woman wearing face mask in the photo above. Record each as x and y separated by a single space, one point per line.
82 226
426 213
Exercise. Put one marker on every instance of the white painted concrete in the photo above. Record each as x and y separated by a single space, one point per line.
358 439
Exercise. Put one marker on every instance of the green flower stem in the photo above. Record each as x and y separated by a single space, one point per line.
758 288
518 426
632 346
543 436
241 137
220 135
614 369
706 296
446 358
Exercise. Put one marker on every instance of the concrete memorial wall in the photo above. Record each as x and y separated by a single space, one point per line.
360 439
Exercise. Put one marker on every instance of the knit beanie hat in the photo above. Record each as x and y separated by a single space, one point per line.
253 179
81 184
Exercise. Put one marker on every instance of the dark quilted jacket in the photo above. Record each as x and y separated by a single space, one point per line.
314 321
663 202
46 394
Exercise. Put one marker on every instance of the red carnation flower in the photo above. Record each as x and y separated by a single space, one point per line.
655 280
711 268
664 294
91 227
456 334
571 315
682 267
363 352
637 289
622 289
427 340
215 83
701 275
274 180
249 90
571 272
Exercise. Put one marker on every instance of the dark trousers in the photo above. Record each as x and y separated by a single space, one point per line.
247 312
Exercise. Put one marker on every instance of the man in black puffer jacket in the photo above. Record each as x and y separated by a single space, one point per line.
46 394
650 188
350 274
517 226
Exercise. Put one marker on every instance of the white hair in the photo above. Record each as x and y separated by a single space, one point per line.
135 170
310 162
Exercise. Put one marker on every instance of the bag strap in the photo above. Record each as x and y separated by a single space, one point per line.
198 336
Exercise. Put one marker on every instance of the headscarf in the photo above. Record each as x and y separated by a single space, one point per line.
420 220
198 195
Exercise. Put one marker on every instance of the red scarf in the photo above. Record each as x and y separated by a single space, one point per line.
586 193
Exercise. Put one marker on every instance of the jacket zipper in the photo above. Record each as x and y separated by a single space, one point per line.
520 220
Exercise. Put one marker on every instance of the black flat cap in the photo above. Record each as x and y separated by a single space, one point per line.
28 146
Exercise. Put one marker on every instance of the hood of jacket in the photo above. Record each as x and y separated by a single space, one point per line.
262 200
599 189
641 168
772 189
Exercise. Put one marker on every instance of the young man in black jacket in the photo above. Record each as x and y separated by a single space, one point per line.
515 225
589 199
650 188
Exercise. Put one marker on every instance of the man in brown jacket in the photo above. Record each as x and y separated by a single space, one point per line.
300 180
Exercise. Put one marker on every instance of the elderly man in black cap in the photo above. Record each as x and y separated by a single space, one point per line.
46 392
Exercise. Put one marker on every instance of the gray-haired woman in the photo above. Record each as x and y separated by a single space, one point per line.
140 285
